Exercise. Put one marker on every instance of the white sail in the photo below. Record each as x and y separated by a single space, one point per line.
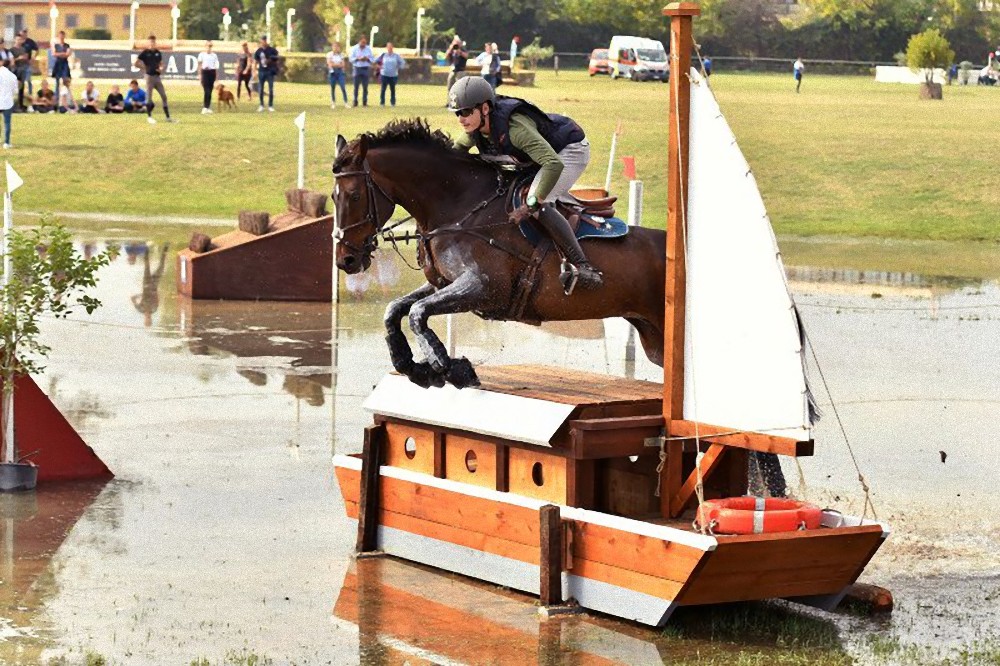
743 362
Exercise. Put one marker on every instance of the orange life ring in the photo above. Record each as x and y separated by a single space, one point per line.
758 515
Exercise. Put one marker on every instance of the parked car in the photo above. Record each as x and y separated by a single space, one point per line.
599 62
638 59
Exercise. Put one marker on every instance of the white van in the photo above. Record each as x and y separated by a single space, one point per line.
638 58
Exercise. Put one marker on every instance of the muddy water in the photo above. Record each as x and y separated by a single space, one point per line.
223 534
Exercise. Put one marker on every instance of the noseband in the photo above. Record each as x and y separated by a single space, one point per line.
370 243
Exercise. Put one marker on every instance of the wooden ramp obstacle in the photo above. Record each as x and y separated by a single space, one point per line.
284 258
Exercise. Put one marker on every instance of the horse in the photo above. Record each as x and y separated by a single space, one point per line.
472 256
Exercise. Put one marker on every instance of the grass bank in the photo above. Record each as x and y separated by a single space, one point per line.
846 157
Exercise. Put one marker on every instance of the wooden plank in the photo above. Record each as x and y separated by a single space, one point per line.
550 555
620 423
350 483
422 459
440 468
527 467
447 432
369 494
627 488
503 469
613 437
471 460
634 552
581 484
630 580
753 441
564 385
671 476
709 462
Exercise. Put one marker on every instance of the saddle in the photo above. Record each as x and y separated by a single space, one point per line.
592 212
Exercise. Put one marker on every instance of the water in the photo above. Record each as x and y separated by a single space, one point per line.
223 532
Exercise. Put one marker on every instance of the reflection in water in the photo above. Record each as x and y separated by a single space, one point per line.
147 302
32 528
384 271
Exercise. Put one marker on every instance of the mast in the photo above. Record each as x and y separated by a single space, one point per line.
681 17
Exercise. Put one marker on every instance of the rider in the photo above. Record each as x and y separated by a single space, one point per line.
499 125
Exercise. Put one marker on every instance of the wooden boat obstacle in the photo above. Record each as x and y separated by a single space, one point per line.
284 258
579 486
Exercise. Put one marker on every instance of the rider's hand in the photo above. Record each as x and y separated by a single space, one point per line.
521 214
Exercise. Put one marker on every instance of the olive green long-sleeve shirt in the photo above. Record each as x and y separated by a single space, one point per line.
524 136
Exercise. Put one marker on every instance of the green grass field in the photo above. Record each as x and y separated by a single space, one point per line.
846 157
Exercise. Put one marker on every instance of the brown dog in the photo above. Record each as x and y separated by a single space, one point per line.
225 97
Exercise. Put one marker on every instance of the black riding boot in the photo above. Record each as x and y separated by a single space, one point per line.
576 268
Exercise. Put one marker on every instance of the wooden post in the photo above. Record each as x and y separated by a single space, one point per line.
550 557
681 14
368 502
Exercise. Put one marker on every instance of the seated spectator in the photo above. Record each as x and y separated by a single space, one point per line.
45 100
65 104
135 99
115 102
90 100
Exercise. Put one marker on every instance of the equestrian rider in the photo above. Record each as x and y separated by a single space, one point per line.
498 125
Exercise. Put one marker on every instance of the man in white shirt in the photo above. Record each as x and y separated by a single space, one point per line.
8 93
208 69
485 62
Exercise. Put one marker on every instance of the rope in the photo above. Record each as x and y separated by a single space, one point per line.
857 468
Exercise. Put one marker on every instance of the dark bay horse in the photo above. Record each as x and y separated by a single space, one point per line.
472 256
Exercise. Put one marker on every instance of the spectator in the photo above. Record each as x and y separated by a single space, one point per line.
135 99
45 100
90 100
115 103
8 92
361 61
496 67
31 47
336 75
798 68
61 53
707 65
64 98
390 62
458 57
152 62
21 68
6 57
514 44
244 71
485 62
208 69
266 60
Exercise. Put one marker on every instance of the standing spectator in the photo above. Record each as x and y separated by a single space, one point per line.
361 61
458 57
797 69
266 60
64 98
152 62
707 65
208 69
514 44
6 57
244 71
8 91
336 75
135 99
115 103
496 68
45 100
390 62
90 100
21 68
485 62
31 46
61 53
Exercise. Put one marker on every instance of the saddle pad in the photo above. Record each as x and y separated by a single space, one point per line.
608 227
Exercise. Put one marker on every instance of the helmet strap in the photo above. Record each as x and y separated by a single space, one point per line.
482 116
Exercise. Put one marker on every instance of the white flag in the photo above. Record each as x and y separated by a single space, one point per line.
300 121
13 180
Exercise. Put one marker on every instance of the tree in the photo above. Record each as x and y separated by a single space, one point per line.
925 52
534 52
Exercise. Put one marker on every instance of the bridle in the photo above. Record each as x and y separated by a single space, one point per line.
370 243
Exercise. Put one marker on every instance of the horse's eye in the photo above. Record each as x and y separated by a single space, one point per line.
355 196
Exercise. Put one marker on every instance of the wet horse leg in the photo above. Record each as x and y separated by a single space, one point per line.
464 294
399 349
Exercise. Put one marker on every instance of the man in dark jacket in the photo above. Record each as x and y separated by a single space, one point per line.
498 125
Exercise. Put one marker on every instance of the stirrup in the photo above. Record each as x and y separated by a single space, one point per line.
570 275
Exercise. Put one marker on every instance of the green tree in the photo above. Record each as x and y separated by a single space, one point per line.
396 20
928 50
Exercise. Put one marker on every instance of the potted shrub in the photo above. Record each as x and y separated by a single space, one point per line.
42 276
925 52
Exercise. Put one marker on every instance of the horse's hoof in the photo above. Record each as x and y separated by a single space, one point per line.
421 374
461 374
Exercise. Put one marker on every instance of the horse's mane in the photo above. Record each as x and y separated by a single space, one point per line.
408 131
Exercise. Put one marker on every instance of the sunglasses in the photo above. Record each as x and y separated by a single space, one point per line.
465 113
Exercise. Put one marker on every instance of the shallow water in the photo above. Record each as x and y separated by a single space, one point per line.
223 532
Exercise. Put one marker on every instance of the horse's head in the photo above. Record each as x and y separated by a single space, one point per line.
356 199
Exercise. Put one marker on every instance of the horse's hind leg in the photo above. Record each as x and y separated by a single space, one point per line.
399 349
462 295
651 337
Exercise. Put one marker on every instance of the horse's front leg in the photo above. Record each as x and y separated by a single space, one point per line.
464 294
399 349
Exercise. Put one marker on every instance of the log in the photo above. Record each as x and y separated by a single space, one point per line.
200 242
254 222
871 598
293 198
313 204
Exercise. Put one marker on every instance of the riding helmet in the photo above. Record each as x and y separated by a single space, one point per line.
468 92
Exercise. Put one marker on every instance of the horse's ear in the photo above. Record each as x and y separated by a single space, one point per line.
362 147
341 144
